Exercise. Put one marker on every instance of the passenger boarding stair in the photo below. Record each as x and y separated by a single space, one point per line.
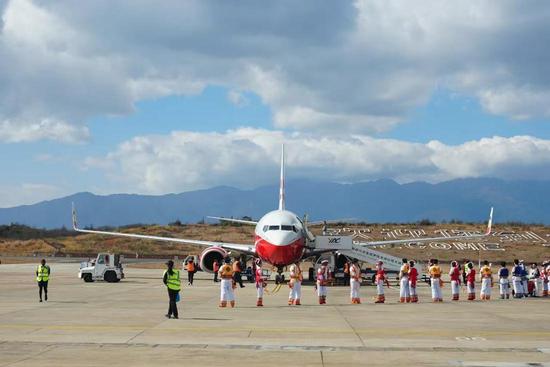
366 254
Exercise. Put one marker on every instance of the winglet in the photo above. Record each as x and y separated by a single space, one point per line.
75 222
282 182
489 223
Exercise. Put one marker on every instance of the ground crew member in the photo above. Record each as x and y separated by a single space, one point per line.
355 281
534 275
516 279
322 282
486 281
346 273
435 280
295 285
454 274
171 279
503 281
404 290
190 271
380 281
471 281
237 271
226 286
260 283
215 268
43 272
413 276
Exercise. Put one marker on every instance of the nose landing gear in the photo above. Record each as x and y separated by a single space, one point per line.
279 278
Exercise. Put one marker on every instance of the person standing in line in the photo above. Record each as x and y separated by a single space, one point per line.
227 283
171 279
355 281
215 268
295 285
516 280
486 281
190 271
524 279
535 277
465 271
43 272
380 281
471 281
504 283
413 277
454 274
260 283
323 274
435 280
346 273
404 290
237 272
545 278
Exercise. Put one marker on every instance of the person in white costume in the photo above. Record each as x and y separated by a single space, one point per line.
355 281
295 285
404 288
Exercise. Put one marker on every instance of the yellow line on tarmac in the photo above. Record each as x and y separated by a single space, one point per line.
380 332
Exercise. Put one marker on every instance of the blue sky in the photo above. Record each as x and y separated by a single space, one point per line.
197 94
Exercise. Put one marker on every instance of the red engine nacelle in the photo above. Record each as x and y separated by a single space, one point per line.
209 255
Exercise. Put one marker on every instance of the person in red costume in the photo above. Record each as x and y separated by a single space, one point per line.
454 273
380 280
471 281
413 277
260 283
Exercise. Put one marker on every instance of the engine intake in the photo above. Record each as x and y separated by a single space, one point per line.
209 255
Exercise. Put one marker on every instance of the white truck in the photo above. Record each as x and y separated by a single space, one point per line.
105 267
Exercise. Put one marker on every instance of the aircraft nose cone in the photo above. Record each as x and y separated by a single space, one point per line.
282 237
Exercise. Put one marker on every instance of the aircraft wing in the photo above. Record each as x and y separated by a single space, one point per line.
425 239
248 249
242 221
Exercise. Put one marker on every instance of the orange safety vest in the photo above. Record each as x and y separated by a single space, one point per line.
191 266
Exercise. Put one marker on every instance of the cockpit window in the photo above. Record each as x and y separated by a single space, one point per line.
274 228
265 228
287 228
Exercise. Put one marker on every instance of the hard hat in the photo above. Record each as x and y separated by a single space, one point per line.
324 262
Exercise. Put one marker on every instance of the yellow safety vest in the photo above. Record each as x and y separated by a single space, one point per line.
173 281
43 273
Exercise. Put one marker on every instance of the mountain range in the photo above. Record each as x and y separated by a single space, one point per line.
380 201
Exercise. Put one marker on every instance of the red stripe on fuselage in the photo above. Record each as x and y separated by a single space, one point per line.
280 255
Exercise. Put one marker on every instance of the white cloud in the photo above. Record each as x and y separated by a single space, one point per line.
28 193
237 98
16 132
358 66
248 157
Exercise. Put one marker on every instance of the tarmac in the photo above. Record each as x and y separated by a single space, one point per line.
123 324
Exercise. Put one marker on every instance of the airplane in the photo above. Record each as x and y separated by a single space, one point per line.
281 238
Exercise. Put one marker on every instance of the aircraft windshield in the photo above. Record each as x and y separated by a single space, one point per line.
280 228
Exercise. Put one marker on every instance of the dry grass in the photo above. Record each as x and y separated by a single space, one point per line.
89 245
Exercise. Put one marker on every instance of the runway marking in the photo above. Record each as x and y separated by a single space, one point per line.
284 330
470 338
274 347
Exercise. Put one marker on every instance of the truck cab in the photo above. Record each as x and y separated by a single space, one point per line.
105 267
